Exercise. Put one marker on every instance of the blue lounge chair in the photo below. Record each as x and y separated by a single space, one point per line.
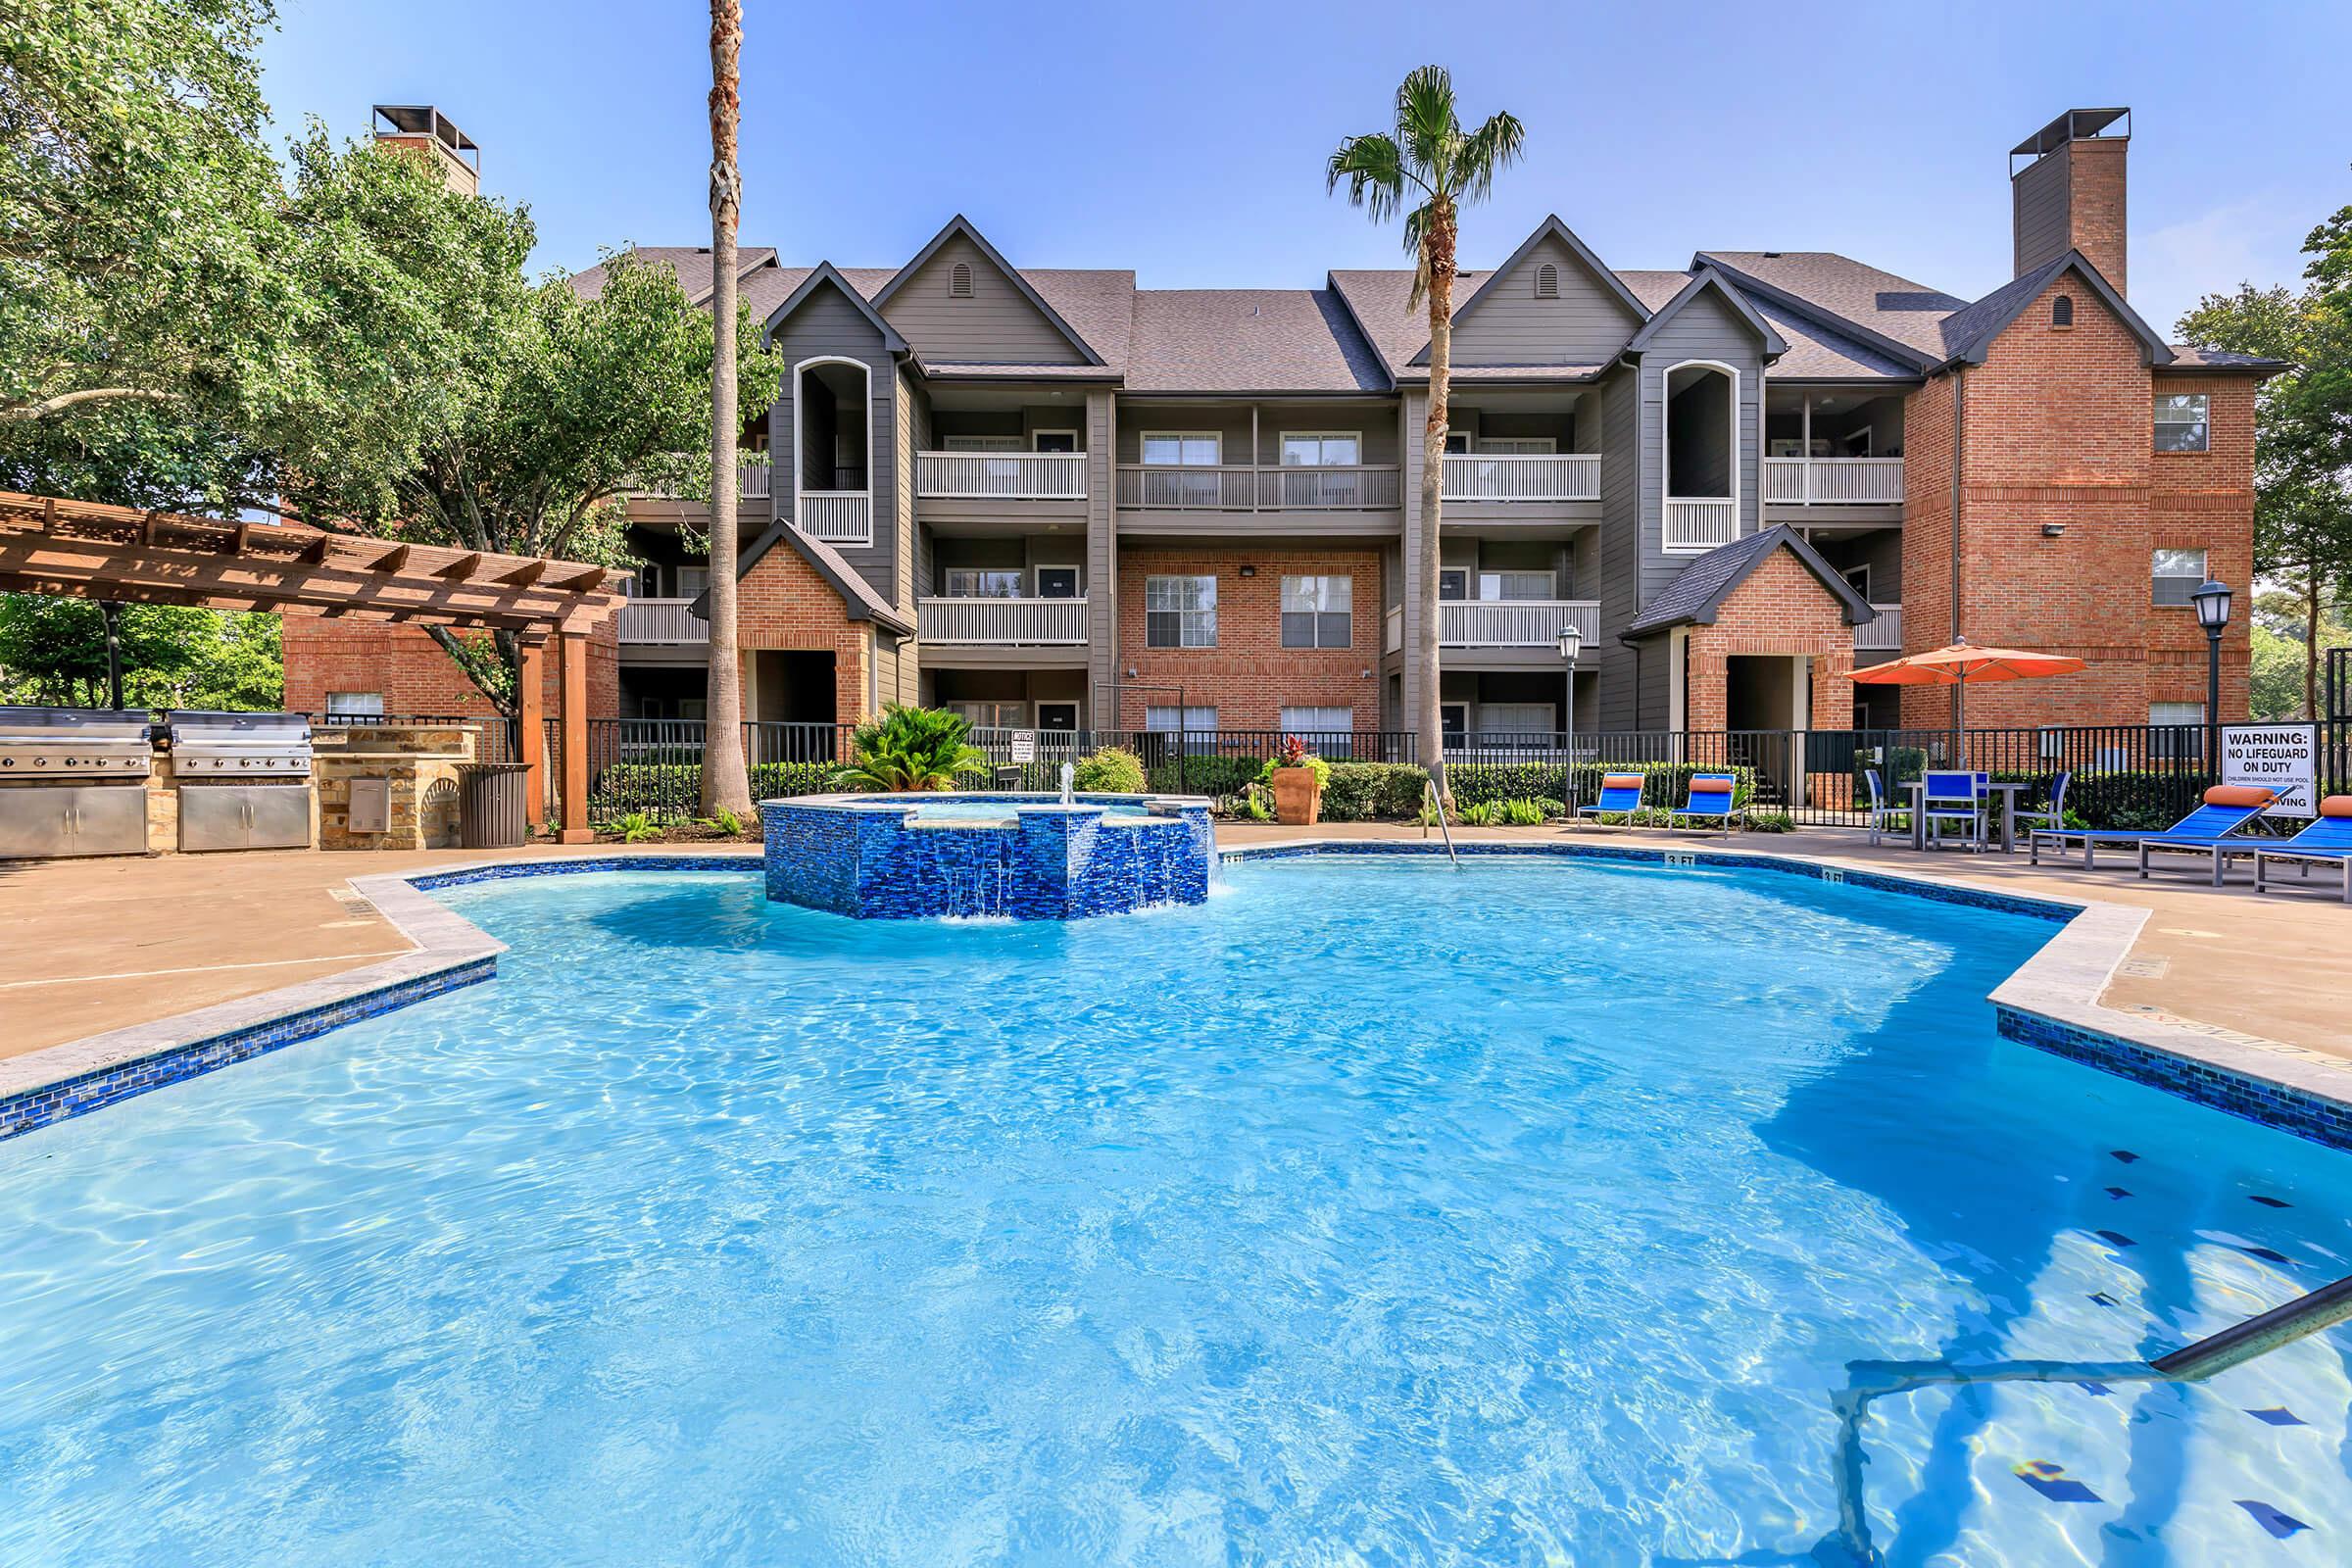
1953 798
2226 808
2327 842
1884 816
1620 796
2055 816
1709 804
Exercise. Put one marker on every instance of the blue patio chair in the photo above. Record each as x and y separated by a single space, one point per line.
2226 808
1709 803
2327 842
1884 816
2054 816
1620 796
1953 799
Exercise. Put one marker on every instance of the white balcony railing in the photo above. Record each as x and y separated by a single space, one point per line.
1702 524
1240 487
1515 622
1883 635
1834 482
1537 476
753 479
837 517
1001 623
1000 475
662 621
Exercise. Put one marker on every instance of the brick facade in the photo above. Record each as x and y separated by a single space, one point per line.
1781 611
411 672
784 606
1250 677
2057 430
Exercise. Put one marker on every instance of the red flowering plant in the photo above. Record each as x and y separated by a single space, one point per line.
1293 753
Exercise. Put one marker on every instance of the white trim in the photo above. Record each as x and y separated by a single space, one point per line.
799 467
1283 439
1144 438
1678 656
1666 495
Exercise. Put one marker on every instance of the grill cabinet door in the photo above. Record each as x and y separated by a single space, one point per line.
36 821
212 816
110 820
278 818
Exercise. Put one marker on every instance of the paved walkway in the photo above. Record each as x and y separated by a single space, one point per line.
93 945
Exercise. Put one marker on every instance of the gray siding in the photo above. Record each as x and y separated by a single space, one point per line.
2042 198
1705 329
1102 430
1584 326
997 325
827 324
1376 423
1617 576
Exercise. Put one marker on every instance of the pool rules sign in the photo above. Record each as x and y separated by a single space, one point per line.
2278 757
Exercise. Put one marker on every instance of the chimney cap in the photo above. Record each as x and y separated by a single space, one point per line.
422 119
2075 125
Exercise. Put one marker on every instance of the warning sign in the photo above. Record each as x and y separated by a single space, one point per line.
2278 757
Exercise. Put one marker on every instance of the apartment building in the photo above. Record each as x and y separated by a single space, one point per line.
1047 497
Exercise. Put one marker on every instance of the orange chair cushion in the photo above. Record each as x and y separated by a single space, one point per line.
2337 805
1620 781
1710 786
2239 794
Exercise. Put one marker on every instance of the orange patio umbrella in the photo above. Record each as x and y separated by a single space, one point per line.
1961 664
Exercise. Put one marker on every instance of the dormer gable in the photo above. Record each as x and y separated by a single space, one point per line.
825 290
1709 289
1970 334
1553 301
958 302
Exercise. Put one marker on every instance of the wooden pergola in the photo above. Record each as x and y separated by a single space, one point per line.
81 550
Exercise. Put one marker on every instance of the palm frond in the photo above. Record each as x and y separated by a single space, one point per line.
1426 118
1373 168
1416 224
1492 146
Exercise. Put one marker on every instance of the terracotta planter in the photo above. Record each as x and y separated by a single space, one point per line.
1298 796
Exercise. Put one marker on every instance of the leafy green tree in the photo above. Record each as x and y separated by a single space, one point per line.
54 651
1428 167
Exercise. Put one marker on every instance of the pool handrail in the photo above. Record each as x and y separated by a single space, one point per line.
2283 1325
1436 809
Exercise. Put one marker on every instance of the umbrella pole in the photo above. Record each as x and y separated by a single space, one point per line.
1960 721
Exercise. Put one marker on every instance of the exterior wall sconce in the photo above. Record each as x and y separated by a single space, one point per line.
2054 530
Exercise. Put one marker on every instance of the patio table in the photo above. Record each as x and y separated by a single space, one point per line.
2008 792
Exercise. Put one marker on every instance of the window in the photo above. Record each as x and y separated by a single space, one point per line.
2181 422
355 704
1515 718
1165 719
2177 574
984 443
1318 611
959 282
982 583
1318 720
1190 447
1519 446
2062 311
2175 729
1548 283
1520 585
1180 613
992 715
1322 448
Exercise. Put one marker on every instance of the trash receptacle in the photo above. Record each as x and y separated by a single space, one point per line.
490 804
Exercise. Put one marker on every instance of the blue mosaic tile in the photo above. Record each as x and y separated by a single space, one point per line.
2276 1106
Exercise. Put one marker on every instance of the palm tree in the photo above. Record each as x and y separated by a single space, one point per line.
1431 163
726 782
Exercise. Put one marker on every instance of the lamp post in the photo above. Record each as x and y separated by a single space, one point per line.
2212 599
1572 643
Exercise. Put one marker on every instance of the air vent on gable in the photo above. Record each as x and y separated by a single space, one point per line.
959 282
2062 311
1548 283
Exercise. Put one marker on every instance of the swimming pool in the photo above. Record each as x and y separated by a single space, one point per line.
1371 1212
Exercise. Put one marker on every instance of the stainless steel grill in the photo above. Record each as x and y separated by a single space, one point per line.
73 781
244 779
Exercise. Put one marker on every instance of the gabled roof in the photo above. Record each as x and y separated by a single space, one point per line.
1708 279
1700 592
1550 228
859 600
1249 340
1898 317
962 226
825 272
1969 334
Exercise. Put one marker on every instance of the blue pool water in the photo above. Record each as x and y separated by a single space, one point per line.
1372 1214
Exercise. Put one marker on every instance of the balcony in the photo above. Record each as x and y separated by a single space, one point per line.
1693 526
661 621
1883 635
1834 482
1000 475
1240 487
753 478
1515 622
1001 623
1541 476
838 516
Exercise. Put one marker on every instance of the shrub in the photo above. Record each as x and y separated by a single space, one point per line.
912 748
1550 808
1486 813
1203 775
634 828
1663 783
1373 792
1770 822
1111 770
1519 812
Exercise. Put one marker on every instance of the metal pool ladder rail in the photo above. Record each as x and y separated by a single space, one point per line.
1436 809
2298 1319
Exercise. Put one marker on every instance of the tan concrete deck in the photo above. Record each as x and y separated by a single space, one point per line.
87 946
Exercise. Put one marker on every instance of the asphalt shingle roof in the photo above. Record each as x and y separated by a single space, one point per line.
1911 314
1249 340
1704 583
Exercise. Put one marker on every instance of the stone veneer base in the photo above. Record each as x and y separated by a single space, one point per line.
2050 1003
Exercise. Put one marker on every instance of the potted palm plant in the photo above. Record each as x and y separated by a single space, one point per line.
1297 776
910 748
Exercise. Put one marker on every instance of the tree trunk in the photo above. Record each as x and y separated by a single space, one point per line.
1437 254
726 782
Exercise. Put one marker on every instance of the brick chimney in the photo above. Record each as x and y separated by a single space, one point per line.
425 131
2069 193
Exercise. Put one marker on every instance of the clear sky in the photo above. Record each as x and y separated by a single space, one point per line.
1188 142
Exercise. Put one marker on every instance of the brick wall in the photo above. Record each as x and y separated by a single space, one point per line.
784 605
1250 677
1780 609
412 671
2058 431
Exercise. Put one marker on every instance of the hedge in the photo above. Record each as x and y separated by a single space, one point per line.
1663 783
673 790
1372 792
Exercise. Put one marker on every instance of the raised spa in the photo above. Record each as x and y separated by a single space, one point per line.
1027 856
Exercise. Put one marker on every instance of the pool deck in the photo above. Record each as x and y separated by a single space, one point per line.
92 945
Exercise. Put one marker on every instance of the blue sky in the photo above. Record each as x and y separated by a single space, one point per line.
1189 142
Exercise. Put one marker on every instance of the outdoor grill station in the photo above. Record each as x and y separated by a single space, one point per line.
88 782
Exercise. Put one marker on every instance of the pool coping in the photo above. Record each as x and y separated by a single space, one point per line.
2050 1001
